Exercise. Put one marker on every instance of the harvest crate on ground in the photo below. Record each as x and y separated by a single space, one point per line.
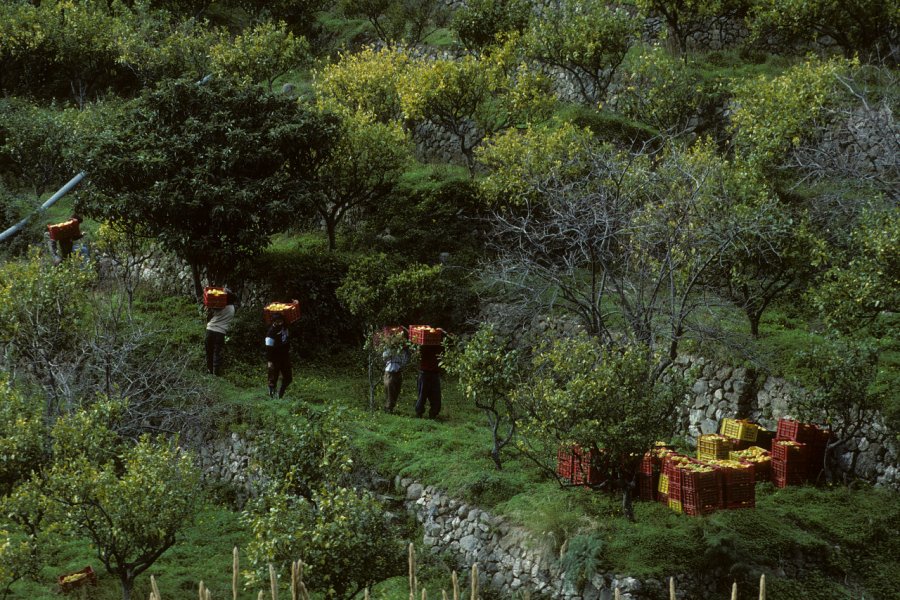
215 297
425 335
290 311
578 466
739 429
67 230
700 489
713 446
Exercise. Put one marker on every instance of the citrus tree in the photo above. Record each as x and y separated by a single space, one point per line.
603 399
309 511
130 500
211 170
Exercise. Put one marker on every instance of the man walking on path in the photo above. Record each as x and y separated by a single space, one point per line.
278 355
217 324
429 381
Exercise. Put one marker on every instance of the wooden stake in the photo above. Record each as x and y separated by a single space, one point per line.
617 595
762 587
235 569
474 581
671 588
154 588
412 572
734 591
201 592
455 586
273 581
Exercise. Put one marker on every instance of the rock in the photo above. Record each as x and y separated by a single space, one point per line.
709 426
414 491
469 543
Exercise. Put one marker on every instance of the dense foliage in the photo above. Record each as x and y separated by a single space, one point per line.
740 204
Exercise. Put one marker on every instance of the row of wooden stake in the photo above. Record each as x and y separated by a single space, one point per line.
299 591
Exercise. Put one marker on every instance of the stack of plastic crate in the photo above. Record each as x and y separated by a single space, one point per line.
701 490
712 446
738 485
790 462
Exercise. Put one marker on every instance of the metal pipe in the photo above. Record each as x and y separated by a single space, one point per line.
50 202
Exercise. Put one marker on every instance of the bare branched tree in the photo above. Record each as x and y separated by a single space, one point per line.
858 139
627 245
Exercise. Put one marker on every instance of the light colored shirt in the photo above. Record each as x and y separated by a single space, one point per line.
393 362
221 319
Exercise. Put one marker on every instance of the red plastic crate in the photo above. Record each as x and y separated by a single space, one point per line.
289 310
647 485
739 487
796 452
425 335
577 466
699 503
790 429
783 474
67 230
215 297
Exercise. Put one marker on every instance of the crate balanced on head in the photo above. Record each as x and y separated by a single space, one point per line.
278 316
219 302
62 238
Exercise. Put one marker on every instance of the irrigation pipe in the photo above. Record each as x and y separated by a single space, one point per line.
50 202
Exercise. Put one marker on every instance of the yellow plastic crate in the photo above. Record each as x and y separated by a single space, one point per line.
712 446
663 487
739 429
675 505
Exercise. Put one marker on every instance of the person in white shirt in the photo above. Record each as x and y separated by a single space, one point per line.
217 323
394 361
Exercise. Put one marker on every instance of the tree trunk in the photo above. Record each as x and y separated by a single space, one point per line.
198 287
330 227
127 586
627 504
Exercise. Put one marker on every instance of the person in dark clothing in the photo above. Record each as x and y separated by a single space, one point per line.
218 321
429 383
278 355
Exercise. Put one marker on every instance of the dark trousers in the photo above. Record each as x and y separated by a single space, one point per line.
215 347
429 386
280 365
392 382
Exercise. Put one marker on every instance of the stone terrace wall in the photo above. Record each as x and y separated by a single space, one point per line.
723 391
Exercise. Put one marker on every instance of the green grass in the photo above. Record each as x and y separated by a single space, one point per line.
203 553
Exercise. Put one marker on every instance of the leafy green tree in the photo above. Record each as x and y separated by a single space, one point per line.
399 21
516 159
308 511
28 540
157 46
836 374
865 27
662 91
130 500
602 399
488 370
260 54
366 160
40 310
774 116
364 81
782 255
586 40
382 292
480 23
863 281
22 434
476 97
213 170
33 142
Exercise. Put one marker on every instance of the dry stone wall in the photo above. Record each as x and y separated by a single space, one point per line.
722 391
